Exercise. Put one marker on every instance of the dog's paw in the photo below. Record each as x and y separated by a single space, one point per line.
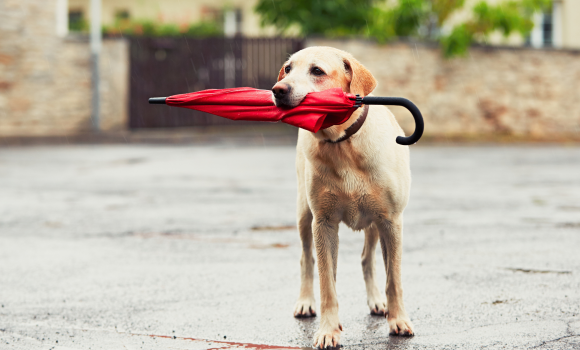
400 326
377 305
305 308
327 337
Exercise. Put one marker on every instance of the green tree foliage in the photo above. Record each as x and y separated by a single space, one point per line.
444 8
316 17
506 17
422 19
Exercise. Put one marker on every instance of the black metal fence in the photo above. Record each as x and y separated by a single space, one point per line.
169 66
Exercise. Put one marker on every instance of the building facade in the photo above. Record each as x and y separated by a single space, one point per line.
237 16
45 75
559 28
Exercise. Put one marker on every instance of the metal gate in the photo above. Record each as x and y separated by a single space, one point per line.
169 66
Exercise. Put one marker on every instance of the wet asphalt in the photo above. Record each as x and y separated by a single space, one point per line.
195 247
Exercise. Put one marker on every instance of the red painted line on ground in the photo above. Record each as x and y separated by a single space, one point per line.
227 344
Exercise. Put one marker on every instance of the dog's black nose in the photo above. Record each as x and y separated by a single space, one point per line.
280 90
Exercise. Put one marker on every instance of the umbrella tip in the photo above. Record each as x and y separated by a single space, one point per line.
157 100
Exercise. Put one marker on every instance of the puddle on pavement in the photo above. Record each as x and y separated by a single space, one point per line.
501 301
537 220
547 221
190 236
224 345
53 224
569 208
569 225
266 246
436 221
274 228
251 243
537 271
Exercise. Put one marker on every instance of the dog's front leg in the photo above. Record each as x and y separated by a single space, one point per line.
391 235
326 242
305 306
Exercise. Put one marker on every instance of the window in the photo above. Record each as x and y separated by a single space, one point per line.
547 29
76 21
546 32
122 15
211 14
232 22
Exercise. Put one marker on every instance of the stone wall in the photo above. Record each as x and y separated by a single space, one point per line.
45 80
522 93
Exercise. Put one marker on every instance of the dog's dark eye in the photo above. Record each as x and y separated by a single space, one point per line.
317 71
287 69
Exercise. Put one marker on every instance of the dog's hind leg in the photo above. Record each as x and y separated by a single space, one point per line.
391 235
306 305
377 303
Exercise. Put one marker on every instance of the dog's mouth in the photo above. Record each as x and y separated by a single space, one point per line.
287 102
283 104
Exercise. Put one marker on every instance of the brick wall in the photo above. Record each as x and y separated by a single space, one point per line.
45 81
526 93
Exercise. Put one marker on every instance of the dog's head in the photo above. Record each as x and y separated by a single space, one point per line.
320 68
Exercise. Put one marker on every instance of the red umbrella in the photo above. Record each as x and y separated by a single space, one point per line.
318 110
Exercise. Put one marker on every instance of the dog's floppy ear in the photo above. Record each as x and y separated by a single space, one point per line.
362 81
281 72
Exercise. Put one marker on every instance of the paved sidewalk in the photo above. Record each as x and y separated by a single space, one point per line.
195 247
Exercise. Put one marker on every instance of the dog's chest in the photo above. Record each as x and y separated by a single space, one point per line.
350 194
348 182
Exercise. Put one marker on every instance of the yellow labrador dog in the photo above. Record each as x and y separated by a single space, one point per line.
355 173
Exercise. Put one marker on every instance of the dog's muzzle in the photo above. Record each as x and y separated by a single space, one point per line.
281 93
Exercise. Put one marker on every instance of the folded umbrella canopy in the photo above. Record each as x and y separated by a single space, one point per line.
318 110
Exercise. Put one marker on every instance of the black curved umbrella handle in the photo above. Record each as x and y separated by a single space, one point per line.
399 101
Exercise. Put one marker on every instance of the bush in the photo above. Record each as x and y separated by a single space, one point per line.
154 29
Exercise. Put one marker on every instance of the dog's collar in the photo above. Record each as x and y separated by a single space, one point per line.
354 128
